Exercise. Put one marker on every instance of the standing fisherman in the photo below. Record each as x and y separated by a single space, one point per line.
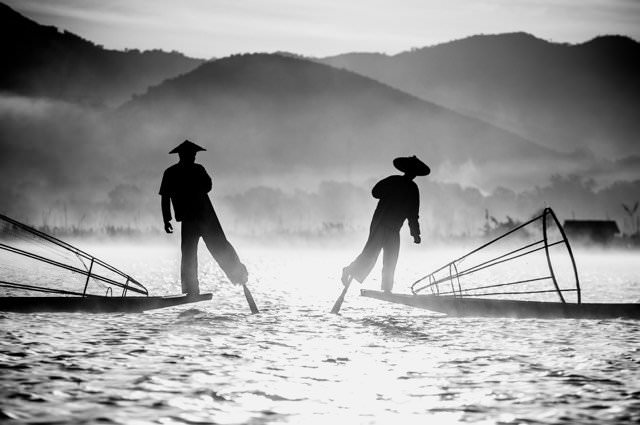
399 200
186 185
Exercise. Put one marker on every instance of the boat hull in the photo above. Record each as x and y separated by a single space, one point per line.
94 304
476 307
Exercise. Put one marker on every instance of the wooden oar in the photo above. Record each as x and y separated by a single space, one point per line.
338 303
250 301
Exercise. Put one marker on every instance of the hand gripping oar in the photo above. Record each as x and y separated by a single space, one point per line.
250 301
338 303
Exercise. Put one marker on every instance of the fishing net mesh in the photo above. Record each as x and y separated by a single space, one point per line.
514 265
35 263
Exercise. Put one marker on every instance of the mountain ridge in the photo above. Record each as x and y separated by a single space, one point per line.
265 108
565 96
522 35
44 61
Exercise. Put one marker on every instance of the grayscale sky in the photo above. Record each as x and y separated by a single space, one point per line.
215 28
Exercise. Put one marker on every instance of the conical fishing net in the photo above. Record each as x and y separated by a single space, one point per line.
32 261
532 262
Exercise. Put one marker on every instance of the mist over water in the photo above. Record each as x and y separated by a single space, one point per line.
65 166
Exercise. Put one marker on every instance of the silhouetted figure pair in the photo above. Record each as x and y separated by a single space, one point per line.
186 185
399 200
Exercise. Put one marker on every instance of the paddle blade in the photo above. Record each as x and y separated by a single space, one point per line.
338 303
250 301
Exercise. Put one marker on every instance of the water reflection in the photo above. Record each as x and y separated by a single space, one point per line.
294 362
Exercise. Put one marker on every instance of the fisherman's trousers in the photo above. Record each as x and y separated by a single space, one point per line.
380 238
210 230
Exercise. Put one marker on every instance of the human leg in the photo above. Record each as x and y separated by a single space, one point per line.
360 268
223 252
190 235
391 249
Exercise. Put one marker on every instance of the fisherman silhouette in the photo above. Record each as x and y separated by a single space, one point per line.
399 200
186 185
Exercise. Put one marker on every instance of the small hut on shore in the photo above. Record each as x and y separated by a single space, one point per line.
594 231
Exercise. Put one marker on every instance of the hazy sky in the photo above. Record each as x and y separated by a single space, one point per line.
208 28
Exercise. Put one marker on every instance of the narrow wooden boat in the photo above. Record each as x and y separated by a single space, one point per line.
95 304
26 250
469 286
477 307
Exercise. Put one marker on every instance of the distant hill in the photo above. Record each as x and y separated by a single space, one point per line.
273 113
42 61
564 96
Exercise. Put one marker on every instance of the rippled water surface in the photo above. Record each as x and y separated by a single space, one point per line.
214 362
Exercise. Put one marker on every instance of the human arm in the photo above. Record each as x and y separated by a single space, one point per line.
204 180
413 214
165 201
166 213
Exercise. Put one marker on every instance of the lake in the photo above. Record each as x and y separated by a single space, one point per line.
214 362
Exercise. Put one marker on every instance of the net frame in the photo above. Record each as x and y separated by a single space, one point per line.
454 274
129 284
